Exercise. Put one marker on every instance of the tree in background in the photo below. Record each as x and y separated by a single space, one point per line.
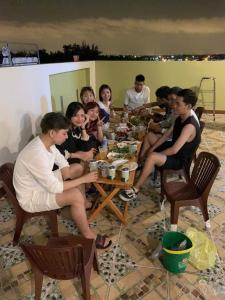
84 51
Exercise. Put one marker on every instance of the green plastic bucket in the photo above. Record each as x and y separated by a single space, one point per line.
175 261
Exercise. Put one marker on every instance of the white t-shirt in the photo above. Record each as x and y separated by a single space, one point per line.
195 116
134 99
33 170
103 106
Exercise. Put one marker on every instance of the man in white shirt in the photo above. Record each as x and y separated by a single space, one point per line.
38 188
138 95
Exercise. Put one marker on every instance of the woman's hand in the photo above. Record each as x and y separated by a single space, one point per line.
67 154
100 122
88 155
85 121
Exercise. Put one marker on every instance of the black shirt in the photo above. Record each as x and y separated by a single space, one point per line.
74 143
186 151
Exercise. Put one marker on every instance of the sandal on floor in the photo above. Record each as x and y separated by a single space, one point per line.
100 242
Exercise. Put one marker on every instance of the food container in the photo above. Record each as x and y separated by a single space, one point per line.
133 148
104 171
93 165
111 172
125 173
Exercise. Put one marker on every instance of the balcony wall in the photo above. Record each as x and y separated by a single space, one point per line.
26 92
187 74
25 96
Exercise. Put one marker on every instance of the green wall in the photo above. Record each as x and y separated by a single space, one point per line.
186 74
68 85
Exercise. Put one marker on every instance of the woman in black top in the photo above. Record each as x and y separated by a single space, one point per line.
78 146
178 152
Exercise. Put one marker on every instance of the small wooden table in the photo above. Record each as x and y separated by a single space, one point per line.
117 185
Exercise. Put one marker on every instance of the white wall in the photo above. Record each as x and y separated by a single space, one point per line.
24 97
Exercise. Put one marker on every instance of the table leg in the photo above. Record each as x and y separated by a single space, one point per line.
107 199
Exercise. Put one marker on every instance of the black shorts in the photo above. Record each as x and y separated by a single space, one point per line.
172 161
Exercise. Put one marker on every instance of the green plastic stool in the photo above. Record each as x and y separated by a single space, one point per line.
175 261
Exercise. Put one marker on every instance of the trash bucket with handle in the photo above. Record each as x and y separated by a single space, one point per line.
176 251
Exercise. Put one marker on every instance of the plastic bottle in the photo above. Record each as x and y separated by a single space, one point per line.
105 142
180 246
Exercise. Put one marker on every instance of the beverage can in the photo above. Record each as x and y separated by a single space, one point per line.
133 148
111 172
112 135
126 115
104 142
93 165
104 171
125 173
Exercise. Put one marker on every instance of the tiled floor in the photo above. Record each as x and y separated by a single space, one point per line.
127 271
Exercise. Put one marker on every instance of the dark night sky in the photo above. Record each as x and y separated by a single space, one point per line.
118 27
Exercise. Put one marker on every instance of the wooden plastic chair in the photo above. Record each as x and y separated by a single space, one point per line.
63 258
199 111
195 192
6 178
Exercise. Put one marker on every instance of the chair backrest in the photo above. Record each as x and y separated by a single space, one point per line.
202 126
204 173
199 111
61 262
6 177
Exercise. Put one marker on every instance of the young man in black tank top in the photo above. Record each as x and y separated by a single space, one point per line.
175 154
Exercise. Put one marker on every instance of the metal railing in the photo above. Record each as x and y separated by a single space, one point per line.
17 54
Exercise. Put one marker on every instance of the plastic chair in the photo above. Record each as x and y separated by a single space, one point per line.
195 192
199 111
63 258
6 178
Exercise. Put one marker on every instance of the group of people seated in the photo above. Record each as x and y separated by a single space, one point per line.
71 140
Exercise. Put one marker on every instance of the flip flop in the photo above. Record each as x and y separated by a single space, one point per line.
100 242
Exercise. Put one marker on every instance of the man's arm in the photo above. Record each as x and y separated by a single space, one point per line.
163 138
148 94
186 133
90 177
83 155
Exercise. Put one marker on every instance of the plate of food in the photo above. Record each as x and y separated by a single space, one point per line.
121 145
132 165
116 155
102 164
133 142
119 162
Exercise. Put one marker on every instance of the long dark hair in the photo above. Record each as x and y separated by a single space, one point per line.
73 109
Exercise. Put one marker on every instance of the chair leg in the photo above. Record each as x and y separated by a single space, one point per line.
53 223
162 191
85 282
174 214
20 220
38 278
204 209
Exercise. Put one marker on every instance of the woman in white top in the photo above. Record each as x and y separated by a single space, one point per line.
105 103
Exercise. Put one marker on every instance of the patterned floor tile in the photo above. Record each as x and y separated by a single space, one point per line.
127 271
114 264
11 255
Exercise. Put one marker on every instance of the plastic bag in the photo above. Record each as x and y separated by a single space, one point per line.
203 254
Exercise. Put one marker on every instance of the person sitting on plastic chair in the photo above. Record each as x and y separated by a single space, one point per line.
173 154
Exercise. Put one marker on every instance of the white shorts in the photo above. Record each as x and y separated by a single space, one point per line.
43 200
